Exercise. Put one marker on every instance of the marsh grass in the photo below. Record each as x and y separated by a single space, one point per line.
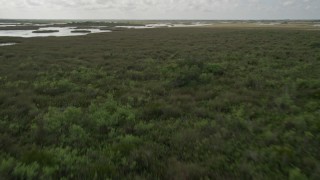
180 103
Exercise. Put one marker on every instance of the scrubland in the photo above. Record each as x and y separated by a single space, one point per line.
169 103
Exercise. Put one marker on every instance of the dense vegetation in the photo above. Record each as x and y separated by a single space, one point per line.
45 31
20 28
189 103
81 31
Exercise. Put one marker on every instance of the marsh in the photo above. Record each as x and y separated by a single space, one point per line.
49 31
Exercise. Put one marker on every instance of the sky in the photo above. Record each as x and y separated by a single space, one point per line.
160 9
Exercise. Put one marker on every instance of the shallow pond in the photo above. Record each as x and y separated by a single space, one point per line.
7 44
67 31
62 31
163 25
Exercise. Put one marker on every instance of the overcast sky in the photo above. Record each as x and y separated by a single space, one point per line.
160 9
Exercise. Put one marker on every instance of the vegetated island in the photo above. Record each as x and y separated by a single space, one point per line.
111 29
81 31
45 31
19 28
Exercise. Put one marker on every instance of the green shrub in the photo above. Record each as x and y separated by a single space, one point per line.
23 171
215 69
111 115
315 45
54 88
55 125
7 166
295 174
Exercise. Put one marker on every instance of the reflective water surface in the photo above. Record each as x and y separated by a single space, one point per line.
7 44
148 26
62 31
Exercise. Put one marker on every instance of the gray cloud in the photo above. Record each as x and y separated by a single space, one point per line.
150 9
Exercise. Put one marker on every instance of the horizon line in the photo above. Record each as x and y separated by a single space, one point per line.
258 19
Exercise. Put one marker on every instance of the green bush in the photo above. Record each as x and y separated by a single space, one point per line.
54 88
